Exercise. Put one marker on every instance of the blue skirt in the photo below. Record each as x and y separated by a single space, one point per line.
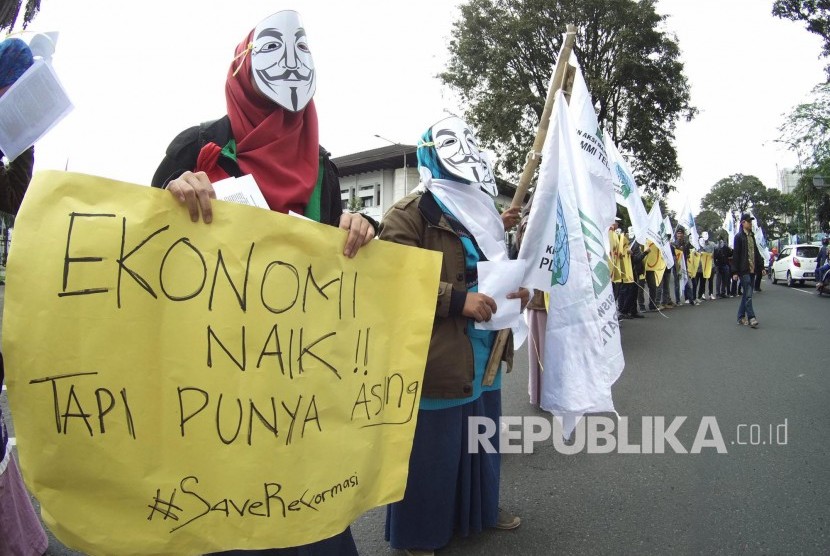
449 490
338 545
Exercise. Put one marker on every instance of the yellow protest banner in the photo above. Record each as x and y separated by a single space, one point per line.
706 263
654 261
693 264
182 388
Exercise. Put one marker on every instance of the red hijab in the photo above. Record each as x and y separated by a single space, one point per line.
278 147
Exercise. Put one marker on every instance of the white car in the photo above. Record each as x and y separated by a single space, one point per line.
795 263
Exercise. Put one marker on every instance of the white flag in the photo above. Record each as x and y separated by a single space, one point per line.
583 354
729 226
657 233
626 190
760 240
687 220
592 145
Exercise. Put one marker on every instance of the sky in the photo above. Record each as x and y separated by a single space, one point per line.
140 72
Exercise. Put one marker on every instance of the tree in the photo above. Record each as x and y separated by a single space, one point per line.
739 193
734 194
807 127
502 55
823 214
355 204
816 13
709 221
10 10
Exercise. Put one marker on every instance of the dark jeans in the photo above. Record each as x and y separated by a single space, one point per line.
628 299
651 281
758 278
725 279
745 308
702 285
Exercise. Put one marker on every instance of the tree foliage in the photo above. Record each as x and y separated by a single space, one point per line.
502 55
10 11
740 193
815 13
807 128
709 221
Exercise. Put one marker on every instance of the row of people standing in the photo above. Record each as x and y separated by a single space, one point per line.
643 284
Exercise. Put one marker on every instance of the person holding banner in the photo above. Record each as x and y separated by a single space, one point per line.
450 489
15 59
21 532
270 132
682 250
707 250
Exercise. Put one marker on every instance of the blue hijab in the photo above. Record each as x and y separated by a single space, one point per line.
428 158
15 59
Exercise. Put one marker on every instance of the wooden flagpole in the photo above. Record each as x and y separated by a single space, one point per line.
557 82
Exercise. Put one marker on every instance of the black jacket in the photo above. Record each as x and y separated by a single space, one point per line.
740 260
638 257
184 150
14 180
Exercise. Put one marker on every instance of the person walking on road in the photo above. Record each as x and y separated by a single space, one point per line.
747 262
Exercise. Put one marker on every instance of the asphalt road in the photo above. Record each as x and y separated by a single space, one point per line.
694 362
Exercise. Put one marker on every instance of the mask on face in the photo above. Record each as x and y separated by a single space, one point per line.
457 149
488 180
281 62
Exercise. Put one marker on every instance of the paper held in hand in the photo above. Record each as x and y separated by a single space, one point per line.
243 190
30 108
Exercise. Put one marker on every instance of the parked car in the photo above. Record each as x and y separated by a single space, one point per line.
796 263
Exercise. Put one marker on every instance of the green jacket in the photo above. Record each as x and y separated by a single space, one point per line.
418 221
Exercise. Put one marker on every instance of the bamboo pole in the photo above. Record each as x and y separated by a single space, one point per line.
557 82
535 153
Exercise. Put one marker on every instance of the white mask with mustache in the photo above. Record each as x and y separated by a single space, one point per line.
281 62
458 151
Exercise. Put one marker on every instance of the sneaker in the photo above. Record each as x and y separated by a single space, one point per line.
743 321
697 302
753 322
711 297
688 302
507 522
411 552
668 306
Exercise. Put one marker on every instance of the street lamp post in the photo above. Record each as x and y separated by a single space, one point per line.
405 184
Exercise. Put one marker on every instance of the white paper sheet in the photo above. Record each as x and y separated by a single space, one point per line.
243 190
30 108
497 279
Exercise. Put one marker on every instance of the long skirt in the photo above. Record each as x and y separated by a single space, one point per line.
21 533
449 489
338 545
536 322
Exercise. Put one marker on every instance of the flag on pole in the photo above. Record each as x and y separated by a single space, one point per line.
625 189
687 220
658 233
760 240
564 256
682 272
729 226
592 145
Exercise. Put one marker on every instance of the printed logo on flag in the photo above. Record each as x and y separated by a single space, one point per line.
561 252
625 182
601 272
